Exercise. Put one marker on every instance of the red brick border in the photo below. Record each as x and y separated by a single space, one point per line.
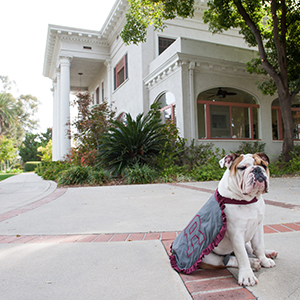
201 284
13 213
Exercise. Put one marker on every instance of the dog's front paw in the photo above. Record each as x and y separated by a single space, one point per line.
246 277
268 262
255 264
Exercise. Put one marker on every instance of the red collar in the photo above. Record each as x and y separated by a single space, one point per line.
233 201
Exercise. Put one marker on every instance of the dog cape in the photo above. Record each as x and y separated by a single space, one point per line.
204 232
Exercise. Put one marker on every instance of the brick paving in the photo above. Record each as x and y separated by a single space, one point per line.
201 284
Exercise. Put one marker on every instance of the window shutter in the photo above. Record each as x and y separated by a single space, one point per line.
126 66
115 78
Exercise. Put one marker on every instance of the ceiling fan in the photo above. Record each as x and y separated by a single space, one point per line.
222 93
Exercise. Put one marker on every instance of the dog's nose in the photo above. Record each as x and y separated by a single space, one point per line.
259 175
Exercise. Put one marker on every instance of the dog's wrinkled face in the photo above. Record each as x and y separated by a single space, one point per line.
250 172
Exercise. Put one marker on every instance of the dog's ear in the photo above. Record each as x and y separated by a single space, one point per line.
264 157
228 160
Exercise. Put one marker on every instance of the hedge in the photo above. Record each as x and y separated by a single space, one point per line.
30 166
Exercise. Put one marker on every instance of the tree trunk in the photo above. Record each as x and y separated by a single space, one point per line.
288 125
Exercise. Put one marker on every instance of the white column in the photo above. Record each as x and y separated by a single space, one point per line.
57 116
65 142
107 63
54 126
192 100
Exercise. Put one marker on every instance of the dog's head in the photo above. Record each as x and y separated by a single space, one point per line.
248 173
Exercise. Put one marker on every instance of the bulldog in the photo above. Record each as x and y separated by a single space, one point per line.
228 229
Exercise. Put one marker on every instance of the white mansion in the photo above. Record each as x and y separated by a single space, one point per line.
199 78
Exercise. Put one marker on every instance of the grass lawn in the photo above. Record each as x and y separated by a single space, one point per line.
4 176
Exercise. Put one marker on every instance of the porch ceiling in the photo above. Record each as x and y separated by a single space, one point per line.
89 69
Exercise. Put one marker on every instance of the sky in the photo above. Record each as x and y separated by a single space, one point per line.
23 34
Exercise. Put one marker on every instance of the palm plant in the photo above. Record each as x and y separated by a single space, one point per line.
139 141
8 112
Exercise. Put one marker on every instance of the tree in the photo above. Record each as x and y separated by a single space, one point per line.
46 152
8 112
6 84
19 118
92 121
7 150
31 143
27 106
28 149
271 25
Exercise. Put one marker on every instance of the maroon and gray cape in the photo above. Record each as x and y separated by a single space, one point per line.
200 236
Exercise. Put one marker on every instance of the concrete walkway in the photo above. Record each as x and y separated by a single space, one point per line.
112 242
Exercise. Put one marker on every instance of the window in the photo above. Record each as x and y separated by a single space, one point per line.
97 96
226 113
122 118
121 72
164 43
277 125
167 102
102 91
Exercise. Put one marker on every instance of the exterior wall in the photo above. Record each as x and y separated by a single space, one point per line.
128 97
197 61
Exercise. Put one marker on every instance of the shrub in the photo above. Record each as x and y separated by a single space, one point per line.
30 166
246 147
209 171
73 175
197 155
88 158
140 174
46 152
292 167
172 151
91 122
98 176
51 170
173 173
139 141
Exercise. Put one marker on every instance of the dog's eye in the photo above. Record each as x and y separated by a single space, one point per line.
264 166
242 168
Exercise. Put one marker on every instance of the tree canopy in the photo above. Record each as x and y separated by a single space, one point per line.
143 13
16 113
272 26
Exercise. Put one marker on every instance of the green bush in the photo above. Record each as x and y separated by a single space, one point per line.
30 166
292 167
139 141
51 170
173 173
255 147
209 171
197 155
73 175
140 174
98 176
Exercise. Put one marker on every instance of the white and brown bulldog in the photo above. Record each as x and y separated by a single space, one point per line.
228 230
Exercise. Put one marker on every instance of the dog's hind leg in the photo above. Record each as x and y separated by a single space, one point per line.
271 253
212 261
233 263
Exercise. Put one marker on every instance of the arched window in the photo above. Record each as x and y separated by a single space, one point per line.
167 101
227 113
122 118
277 125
